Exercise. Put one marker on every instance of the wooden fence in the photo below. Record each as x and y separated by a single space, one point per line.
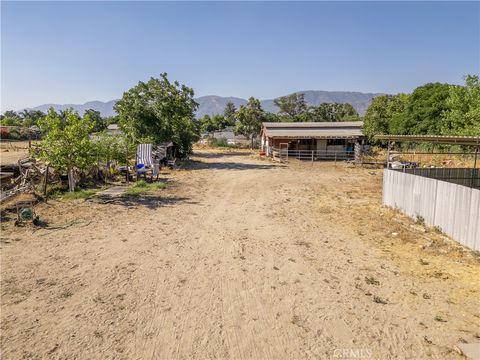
454 208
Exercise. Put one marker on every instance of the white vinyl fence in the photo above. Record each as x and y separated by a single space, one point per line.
454 208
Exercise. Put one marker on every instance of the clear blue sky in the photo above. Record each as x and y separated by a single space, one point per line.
73 52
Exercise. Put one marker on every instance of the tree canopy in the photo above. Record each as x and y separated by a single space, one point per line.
157 111
431 109
333 112
99 123
462 116
249 119
291 105
66 144
25 118
229 113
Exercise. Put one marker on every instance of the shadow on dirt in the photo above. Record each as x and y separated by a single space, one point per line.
200 165
151 201
221 155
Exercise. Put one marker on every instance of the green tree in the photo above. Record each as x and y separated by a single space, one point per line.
271 117
220 121
159 111
249 119
11 118
31 117
110 147
66 144
463 114
229 113
385 115
99 122
425 109
291 105
213 123
333 112
109 120
206 124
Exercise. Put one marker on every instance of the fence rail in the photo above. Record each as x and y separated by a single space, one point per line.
461 176
312 155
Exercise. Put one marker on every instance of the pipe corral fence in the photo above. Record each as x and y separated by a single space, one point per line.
284 154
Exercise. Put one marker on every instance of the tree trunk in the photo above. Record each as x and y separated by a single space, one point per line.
251 142
71 180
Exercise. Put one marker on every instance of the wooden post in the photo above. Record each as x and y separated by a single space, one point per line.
474 166
388 154
126 162
45 182
71 180
29 142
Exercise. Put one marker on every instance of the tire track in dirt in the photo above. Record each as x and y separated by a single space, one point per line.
251 262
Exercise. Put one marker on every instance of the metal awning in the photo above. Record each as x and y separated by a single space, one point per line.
436 139
314 134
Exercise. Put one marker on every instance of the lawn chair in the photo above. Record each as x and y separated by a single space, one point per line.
143 157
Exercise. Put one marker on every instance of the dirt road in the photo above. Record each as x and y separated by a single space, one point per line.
238 259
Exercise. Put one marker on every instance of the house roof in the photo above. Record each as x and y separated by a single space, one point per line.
314 130
324 124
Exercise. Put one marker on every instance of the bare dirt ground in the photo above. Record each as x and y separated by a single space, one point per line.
12 151
239 258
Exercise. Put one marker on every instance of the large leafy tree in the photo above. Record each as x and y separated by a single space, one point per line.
220 121
212 123
157 111
206 124
425 109
229 113
99 123
291 105
249 119
11 118
31 117
110 147
333 112
463 114
66 144
385 115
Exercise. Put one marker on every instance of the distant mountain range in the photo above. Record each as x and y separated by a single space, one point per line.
213 104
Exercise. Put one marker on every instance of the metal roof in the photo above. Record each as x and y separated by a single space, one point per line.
324 124
438 139
315 133
314 130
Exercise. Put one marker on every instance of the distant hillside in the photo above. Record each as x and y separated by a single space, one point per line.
105 108
213 104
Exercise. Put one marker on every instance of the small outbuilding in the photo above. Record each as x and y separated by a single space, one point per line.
315 140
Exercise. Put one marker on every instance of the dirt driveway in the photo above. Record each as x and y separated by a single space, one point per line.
239 258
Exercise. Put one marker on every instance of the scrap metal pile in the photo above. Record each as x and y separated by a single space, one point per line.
29 176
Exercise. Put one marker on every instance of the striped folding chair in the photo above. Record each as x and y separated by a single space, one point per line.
144 154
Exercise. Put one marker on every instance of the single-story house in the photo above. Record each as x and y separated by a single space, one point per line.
314 139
